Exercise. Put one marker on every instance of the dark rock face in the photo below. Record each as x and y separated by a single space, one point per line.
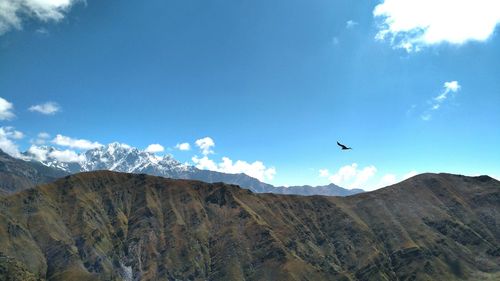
16 174
113 226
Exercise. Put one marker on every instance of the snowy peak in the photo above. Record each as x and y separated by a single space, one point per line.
114 157
124 158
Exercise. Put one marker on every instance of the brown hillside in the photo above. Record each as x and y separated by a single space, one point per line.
113 226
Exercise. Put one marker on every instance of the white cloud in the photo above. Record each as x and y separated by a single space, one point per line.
256 169
44 135
7 135
204 163
350 24
75 143
67 156
449 87
5 106
44 153
154 148
42 31
9 147
344 174
11 133
185 146
350 176
41 138
37 153
413 24
13 12
205 144
48 108
363 176
452 86
324 173
426 116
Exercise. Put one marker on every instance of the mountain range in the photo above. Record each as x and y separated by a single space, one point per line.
17 175
116 226
124 158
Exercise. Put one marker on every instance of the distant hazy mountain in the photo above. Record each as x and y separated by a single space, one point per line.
327 190
123 158
16 174
115 226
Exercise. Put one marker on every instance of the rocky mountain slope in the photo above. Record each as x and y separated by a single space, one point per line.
123 158
114 226
16 175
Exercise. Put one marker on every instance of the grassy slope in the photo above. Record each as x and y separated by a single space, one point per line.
100 225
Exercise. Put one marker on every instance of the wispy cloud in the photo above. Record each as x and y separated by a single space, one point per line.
43 135
12 133
324 173
41 138
435 104
75 143
6 109
351 24
42 31
48 108
14 12
414 24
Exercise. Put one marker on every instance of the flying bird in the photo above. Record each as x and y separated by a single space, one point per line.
343 146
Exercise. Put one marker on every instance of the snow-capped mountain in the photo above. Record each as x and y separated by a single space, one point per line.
124 158
114 157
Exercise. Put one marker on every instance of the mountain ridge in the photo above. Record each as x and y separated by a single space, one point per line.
17 175
124 158
114 226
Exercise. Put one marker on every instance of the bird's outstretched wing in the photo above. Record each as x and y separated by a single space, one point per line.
341 145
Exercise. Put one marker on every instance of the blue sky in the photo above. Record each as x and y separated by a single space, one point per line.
277 82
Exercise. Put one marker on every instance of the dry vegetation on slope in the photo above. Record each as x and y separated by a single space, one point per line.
113 226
